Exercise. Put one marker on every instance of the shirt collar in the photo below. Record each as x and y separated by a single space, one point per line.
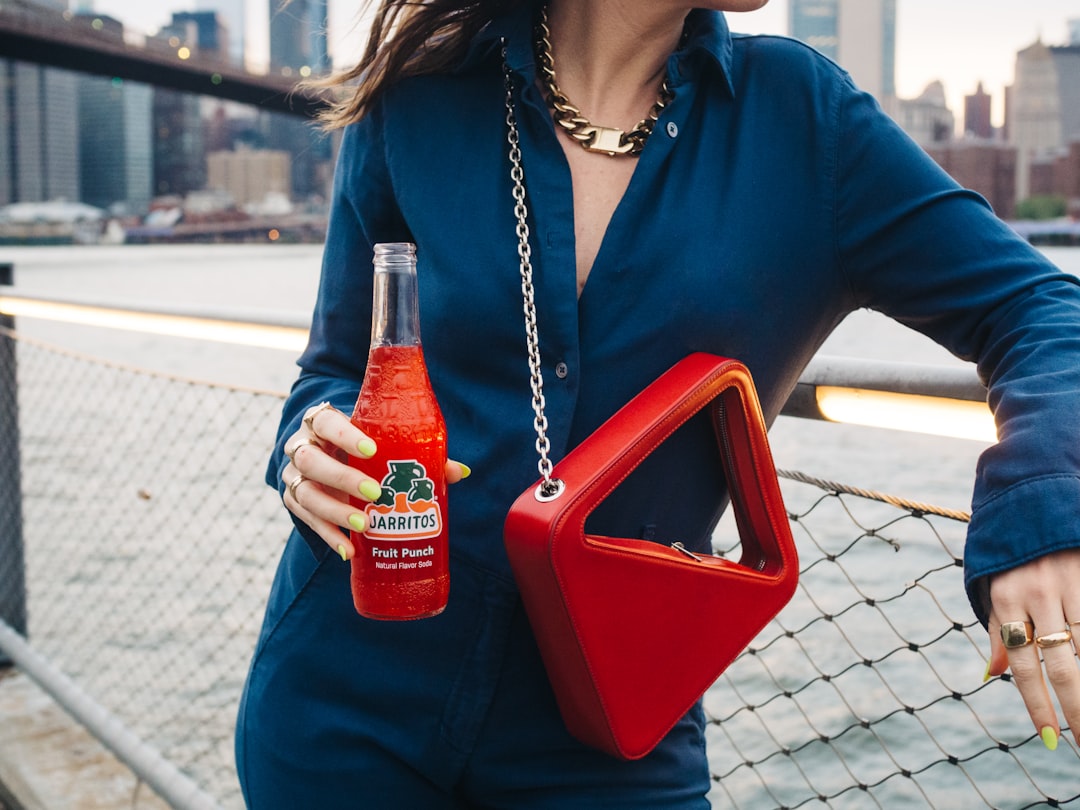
708 42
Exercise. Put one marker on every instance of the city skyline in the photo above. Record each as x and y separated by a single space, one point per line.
960 43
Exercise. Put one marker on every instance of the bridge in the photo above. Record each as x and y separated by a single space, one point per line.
44 36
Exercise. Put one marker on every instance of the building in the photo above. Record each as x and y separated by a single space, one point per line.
39 154
202 31
116 143
116 138
859 35
1068 172
1058 176
179 142
298 48
250 176
816 24
298 37
1043 112
231 12
927 119
1067 62
39 134
985 166
179 129
977 114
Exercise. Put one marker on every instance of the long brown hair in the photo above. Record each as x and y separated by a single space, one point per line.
408 38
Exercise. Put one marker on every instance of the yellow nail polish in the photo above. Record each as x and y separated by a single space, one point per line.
344 555
370 490
1049 738
466 470
358 521
986 675
366 448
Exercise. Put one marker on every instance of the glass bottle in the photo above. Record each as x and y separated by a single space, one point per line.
400 569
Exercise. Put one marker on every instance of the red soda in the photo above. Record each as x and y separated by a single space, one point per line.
400 569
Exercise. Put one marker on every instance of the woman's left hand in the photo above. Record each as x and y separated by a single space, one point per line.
1039 604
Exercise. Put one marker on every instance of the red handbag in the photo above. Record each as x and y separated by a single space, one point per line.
633 632
617 620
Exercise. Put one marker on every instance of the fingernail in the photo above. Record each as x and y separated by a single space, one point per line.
466 470
986 675
366 448
1049 738
358 522
370 490
342 552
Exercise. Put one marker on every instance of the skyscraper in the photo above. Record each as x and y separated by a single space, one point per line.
977 110
39 154
204 31
1044 106
298 48
298 37
116 142
179 131
232 13
817 23
39 146
859 35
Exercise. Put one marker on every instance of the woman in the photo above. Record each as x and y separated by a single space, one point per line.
770 198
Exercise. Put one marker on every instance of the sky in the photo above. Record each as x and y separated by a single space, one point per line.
960 42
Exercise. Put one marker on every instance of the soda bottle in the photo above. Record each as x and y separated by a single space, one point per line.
401 566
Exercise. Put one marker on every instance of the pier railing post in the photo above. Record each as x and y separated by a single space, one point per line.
12 565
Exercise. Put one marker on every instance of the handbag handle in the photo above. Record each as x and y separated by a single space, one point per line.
595 468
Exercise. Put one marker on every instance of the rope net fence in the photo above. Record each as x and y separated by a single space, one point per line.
150 542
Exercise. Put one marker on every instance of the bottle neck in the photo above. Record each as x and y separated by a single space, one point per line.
395 308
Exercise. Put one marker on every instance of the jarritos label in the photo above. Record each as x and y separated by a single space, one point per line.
408 508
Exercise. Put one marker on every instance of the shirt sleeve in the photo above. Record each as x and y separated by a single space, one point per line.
917 247
362 212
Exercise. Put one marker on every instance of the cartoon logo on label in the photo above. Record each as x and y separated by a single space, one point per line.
407 508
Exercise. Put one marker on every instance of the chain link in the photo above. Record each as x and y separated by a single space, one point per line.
550 487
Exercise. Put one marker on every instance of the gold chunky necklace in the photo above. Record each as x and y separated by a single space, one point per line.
607 140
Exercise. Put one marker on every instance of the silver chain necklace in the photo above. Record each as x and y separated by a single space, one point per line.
550 488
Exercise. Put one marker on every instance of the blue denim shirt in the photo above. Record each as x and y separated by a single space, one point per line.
772 199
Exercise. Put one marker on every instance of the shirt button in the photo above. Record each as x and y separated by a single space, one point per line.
672 129
561 370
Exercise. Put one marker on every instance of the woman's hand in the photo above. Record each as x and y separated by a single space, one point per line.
1039 604
319 480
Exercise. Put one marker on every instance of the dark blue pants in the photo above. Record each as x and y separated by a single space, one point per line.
449 712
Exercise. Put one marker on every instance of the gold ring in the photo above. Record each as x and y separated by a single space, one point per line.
293 485
1054 639
1016 634
309 417
305 440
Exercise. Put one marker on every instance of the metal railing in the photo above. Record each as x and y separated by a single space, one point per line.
138 544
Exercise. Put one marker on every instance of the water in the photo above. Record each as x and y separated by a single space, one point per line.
285 278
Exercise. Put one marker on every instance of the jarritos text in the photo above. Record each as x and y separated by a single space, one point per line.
408 508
